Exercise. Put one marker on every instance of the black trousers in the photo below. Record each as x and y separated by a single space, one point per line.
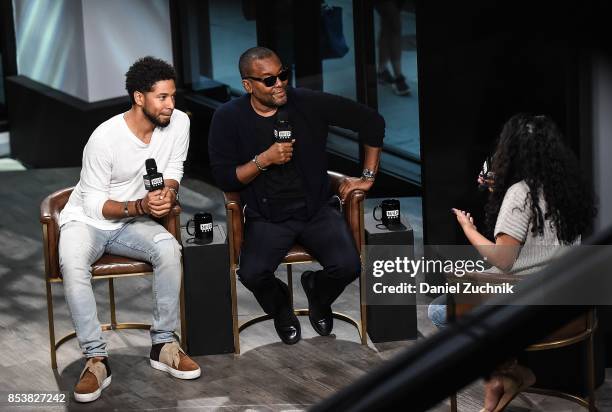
325 236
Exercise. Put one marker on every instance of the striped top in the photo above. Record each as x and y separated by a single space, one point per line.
516 219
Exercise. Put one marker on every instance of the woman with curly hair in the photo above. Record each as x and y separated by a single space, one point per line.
538 203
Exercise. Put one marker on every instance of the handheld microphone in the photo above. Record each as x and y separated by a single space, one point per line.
282 129
153 180
486 175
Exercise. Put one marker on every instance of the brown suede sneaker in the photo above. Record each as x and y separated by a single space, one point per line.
95 377
169 357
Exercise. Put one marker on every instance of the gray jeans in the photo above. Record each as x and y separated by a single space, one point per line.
80 245
436 312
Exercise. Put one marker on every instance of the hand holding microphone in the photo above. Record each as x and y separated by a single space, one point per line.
486 177
158 201
281 151
278 153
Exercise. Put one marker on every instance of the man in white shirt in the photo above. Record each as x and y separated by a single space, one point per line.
110 211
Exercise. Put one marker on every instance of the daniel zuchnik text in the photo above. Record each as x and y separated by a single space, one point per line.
455 288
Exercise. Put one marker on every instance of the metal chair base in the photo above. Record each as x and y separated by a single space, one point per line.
300 312
303 312
106 326
584 402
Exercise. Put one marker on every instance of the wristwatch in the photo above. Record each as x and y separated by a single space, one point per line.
176 195
126 212
368 174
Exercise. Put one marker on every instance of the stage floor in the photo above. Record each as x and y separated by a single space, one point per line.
267 376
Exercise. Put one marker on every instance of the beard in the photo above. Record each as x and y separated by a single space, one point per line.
155 120
276 102
270 100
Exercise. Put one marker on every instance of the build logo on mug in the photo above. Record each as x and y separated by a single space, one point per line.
203 227
390 214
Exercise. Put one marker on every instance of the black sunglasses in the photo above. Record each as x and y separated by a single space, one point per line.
271 80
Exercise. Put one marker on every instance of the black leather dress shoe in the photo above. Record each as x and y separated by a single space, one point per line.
288 329
320 317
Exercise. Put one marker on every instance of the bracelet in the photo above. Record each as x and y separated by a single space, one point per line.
261 169
139 207
126 212
176 195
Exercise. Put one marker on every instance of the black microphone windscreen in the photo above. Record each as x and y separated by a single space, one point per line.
151 166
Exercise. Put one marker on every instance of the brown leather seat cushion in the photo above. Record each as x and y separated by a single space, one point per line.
567 331
571 329
118 265
297 254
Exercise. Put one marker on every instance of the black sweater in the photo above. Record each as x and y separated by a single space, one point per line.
233 142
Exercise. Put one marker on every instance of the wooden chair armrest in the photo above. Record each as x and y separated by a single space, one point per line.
353 213
45 211
353 207
235 223
172 221
50 208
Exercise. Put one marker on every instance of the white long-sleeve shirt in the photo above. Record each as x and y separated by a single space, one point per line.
114 166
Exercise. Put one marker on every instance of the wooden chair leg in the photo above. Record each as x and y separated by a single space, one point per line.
233 276
451 318
362 278
233 292
591 364
363 307
111 294
453 402
182 314
51 325
290 284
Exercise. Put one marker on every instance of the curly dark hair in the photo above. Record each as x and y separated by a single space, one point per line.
530 148
145 72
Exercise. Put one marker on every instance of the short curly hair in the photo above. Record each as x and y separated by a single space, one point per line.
145 72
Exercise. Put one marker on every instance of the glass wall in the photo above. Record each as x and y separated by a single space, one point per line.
8 67
339 73
212 36
395 30
232 31
394 43
2 101
4 137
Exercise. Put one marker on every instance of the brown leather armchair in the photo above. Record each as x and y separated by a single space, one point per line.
107 267
578 330
353 212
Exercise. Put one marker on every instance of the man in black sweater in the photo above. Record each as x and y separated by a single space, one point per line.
285 186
